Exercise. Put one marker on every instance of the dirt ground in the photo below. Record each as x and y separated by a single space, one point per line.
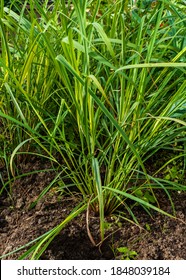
162 238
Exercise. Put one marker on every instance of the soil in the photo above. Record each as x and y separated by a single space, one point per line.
159 237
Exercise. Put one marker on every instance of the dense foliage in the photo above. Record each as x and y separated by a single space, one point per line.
99 89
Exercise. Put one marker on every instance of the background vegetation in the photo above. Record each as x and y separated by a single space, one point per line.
98 88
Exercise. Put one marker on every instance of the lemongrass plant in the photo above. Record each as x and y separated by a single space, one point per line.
101 85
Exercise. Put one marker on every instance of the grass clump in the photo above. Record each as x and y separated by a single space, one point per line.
101 86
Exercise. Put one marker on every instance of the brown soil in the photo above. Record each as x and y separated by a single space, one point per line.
161 238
